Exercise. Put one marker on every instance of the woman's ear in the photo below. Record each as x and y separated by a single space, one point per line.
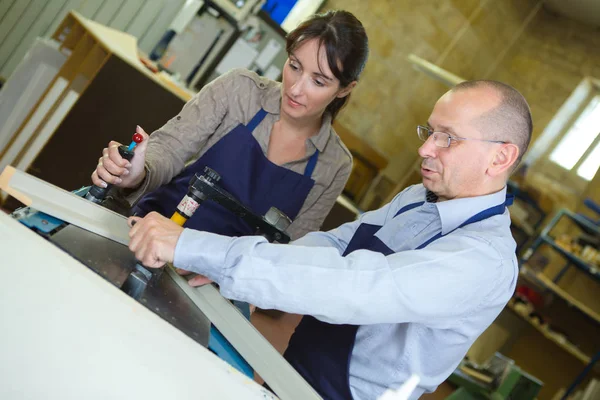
346 91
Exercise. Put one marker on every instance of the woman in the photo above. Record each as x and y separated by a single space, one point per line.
272 143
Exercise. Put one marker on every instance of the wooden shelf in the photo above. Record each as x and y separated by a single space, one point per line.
567 346
575 260
546 282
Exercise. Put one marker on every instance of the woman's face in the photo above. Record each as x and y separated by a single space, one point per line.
307 89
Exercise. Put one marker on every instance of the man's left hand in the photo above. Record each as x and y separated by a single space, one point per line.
198 280
153 239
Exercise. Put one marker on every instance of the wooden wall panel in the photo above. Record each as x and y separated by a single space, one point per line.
126 14
38 28
21 21
12 18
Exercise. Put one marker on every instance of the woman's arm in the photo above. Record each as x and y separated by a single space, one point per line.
184 135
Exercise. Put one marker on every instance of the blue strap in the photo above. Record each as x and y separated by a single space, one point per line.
312 162
257 119
409 207
510 198
436 237
490 212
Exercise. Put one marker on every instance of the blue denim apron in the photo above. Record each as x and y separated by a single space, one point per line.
251 178
321 352
246 173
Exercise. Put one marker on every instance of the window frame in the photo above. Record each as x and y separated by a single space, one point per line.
556 130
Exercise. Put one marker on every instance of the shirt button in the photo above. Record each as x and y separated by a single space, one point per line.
178 117
261 85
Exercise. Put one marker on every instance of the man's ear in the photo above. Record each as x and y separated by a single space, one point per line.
504 159
346 91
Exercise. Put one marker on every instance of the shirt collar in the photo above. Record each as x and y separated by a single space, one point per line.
455 212
271 103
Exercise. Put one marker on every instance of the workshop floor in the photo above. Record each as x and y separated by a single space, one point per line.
278 328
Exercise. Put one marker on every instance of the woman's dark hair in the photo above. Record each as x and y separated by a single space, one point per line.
345 42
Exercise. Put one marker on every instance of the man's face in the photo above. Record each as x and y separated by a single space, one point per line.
459 170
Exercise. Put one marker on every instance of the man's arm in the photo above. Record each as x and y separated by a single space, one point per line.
434 285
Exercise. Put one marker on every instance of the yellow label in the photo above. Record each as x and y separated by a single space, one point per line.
178 218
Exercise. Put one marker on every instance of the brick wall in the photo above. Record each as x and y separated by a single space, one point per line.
519 42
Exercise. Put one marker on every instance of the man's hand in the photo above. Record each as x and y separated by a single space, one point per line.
198 280
153 239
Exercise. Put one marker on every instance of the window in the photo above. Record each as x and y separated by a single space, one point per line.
579 148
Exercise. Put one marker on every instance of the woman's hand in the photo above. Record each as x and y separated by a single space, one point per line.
115 170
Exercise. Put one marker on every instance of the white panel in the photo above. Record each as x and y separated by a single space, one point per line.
33 122
12 17
25 103
157 29
126 14
64 205
46 132
108 11
145 17
26 85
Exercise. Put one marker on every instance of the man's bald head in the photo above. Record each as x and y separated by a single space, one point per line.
509 121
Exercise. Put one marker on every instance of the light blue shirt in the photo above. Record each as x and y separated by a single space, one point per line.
419 310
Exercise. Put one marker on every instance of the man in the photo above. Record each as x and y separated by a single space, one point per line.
403 290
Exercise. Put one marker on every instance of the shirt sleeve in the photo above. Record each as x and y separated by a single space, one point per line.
447 280
171 146
311 217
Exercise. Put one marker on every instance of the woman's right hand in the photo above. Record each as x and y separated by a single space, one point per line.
115 170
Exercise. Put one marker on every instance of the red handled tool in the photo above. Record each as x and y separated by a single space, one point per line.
97 193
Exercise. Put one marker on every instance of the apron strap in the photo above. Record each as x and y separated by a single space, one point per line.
490 212
257 119
510 198
409 207
312 162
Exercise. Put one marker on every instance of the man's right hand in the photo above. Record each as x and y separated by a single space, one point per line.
115 170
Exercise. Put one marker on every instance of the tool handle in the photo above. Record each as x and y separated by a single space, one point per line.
96 193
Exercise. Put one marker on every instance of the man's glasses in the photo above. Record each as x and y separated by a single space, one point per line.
443 139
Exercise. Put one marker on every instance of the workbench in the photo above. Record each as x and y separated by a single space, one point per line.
67 334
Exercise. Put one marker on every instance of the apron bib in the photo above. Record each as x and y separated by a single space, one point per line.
321 352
